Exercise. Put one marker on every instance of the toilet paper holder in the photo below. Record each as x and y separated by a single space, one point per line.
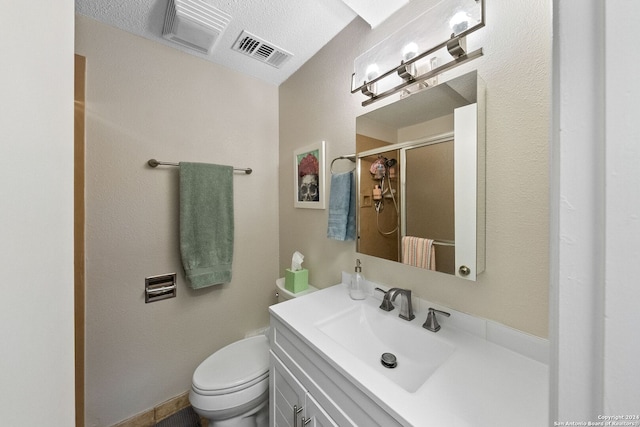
159 287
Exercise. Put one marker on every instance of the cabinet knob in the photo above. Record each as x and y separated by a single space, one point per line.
464 270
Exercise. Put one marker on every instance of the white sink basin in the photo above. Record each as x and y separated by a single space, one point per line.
368 332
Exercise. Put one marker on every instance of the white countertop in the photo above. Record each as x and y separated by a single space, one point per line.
480 384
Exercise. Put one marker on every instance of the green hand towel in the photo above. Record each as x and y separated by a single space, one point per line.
206 223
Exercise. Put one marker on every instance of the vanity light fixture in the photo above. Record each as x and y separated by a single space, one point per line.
448 23
371 89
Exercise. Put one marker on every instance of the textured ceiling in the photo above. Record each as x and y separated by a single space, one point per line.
301 27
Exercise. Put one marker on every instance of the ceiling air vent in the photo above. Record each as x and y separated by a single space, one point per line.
194 24
263 51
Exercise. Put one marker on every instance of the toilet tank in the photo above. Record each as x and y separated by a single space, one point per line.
283 295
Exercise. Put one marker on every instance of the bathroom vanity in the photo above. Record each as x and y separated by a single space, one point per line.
326 367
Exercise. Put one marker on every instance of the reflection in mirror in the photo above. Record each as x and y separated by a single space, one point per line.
419 161
379 202
428 209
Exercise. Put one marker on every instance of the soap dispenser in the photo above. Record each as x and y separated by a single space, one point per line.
357 286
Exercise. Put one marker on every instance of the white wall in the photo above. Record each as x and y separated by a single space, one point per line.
145 100
595 208
316 104
622 248
577 213
36 213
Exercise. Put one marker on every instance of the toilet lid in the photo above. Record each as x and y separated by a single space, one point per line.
234 367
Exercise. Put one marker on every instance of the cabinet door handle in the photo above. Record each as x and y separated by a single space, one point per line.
296 411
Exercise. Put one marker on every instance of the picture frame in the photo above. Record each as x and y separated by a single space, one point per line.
309 176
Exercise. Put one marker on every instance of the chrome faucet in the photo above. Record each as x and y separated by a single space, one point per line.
406 309
432 323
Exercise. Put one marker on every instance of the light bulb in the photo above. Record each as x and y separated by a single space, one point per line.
370 89
409 51
372 72
460 22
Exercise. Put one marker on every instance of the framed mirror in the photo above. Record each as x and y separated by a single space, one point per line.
420 167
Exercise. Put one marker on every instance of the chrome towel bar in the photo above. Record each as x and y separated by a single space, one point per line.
155 163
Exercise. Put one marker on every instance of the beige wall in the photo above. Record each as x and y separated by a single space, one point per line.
146 100
316 104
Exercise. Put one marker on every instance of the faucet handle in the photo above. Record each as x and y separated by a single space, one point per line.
386 305
432 322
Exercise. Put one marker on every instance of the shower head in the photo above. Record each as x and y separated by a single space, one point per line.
390 162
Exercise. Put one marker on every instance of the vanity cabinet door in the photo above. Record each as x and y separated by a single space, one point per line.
287 397
290 403
315 416
340 400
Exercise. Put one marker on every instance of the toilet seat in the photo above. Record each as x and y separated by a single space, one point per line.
233 378
233 368
230 404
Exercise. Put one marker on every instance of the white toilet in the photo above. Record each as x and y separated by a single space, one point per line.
231 387
283 295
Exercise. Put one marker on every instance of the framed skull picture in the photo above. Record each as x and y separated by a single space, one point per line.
308 166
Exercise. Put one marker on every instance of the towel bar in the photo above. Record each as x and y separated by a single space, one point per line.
351 157
155 163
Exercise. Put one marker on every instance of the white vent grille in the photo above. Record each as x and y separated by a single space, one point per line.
263 51
194 24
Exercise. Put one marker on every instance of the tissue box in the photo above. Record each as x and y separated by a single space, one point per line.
296 281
